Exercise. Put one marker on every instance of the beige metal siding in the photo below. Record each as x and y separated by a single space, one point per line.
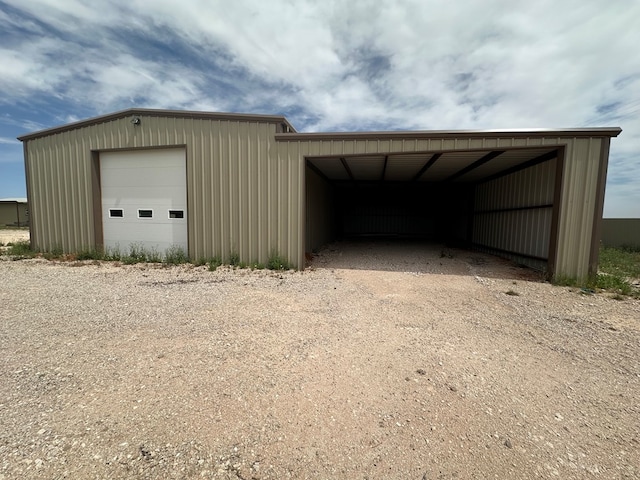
240 197
579 192
513 213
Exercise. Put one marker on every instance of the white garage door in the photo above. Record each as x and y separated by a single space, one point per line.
144 199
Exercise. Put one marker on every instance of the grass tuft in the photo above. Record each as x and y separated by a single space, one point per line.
113 254
277 262
214 263
624 261
90 254
564 281
175 255
234 259
153 256
21 249
613 283
619 268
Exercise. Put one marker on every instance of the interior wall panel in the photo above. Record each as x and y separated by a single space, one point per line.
513 214
319 215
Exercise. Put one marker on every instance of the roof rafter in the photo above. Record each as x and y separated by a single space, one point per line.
348 169
384 167
521 166
474 165
426 166
320 173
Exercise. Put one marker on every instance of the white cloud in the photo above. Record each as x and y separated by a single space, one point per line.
423 64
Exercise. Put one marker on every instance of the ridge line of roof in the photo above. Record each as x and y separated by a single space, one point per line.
296 136
156 112
532 132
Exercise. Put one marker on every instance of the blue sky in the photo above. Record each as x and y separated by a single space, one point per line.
330 66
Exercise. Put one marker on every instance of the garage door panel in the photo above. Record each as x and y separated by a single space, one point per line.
141 194
149 235
153 181
130 216
129 177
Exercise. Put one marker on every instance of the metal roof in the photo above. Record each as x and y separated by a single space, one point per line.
295 136
397 135
159 113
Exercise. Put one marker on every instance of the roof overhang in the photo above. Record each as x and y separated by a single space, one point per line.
431 134
462 164
149 112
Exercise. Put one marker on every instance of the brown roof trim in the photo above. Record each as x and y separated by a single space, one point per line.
242 117
397 135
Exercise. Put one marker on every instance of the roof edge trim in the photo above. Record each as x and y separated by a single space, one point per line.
393 135
157 113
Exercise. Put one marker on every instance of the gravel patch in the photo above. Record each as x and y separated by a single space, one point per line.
12 235
381 360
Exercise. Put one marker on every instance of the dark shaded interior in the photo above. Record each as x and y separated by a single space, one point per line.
499 201
429 211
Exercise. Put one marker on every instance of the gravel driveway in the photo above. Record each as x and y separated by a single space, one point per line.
382 360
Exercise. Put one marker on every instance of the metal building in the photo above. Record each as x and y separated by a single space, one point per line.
219 184
14 212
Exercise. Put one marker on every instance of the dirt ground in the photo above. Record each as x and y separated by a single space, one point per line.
382 360
11 235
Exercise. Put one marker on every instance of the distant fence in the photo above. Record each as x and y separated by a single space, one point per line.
618 232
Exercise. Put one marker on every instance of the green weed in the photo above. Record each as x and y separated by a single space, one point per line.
153 256
113 254
624 261
90 254
175 255
564 281
277 262
617 267
234 259
214 263
20 249
53 253
613 283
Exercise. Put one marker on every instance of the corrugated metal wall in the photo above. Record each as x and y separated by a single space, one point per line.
582 166
512 214
320 221
240 197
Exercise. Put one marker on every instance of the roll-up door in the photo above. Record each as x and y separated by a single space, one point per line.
144 199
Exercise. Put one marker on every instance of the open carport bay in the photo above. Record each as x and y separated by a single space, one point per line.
499 201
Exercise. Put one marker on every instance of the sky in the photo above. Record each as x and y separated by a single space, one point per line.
330 65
